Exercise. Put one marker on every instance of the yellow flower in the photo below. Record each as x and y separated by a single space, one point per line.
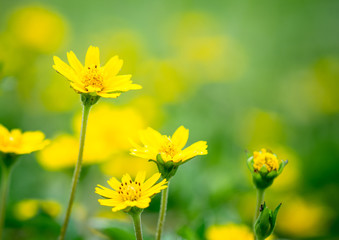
128 193
170 148
21 143
106 137
38 28
304 218
93 78
266 158
229 231
29 208
116 165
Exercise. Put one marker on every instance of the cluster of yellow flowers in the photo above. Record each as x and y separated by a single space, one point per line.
93 81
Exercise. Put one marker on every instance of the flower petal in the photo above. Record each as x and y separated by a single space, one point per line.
112 67
64 69
150 181
92 57
108 95
74 62
140 178
180 137
198 148
114 183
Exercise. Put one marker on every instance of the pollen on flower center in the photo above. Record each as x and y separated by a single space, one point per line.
130 191
169 148
265 158
93 77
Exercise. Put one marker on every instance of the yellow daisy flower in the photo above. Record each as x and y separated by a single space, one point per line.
232 231
170 148
21 143
93 78
129 193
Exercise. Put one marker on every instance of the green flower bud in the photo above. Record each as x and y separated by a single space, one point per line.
265 223
265 167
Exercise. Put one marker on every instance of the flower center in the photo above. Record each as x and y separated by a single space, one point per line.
130 191
93 78
265 158
169 148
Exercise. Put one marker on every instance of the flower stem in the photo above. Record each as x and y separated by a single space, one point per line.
162 214
5 177
137 225
260 200
76 174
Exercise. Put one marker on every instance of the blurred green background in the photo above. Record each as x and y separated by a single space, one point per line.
241 75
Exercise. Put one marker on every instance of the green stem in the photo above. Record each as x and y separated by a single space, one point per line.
162 214
260 200
137 225
76 174
5 177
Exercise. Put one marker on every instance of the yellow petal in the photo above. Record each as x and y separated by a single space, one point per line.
112 67
150 181
105 192
74 62
151 138
119 207
109 202
118 82
114 183
64 69
198 148
78 87
92 57
108 95
143 203
155 189
180 137
140 178
126 179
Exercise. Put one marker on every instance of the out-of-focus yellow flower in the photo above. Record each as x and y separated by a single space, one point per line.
119 164
266 158
53 208
229 231
16 142
170 148
105 136
303 218
62 153
260 128
51 99
164 79
287 180
38 28
130 45
29 208
111 128
93 78
203 53
26 209
128 193
150 109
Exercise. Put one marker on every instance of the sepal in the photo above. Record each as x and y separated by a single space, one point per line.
265 222
89 99
166 169
262 178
